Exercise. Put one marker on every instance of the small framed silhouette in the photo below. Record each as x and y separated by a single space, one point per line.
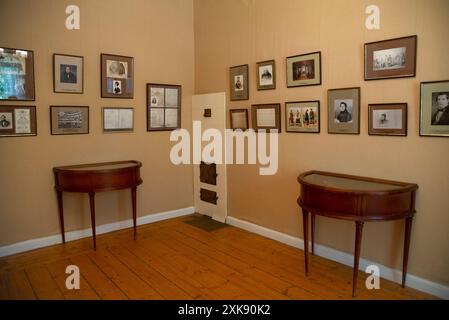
387 119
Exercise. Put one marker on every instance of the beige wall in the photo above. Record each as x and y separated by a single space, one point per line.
234 32
159 35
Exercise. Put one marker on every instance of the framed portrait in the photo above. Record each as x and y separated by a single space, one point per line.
239 119
16 74
344 110
304 70
302 116
266 75
387 119
163 107
117 76
393 58
266 116
17 121
434 109
68 73
69 119
238 81
118 119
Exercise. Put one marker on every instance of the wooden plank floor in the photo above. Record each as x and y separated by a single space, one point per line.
174 260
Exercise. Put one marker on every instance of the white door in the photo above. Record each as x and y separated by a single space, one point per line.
216 102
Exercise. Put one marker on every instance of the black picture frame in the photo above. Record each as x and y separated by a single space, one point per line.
158 108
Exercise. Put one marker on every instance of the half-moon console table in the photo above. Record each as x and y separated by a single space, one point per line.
358 199
97 177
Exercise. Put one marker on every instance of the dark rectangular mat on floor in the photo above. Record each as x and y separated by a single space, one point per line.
205 223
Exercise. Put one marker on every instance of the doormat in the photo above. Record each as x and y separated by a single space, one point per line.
205 223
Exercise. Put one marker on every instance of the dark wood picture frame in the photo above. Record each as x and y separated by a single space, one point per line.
29 79
291 75
261 64
406 62
74 91
104 109
237 71
125 90
303 130
351 93
380 126
277 114
428 107
245 112
83 130
162 105
8 125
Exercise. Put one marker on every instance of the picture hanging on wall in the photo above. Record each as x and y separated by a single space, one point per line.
387 119
302 116
69 119
117 76
17 121
344 110
16 74
239 119
238 80
304 70
266 117
118 119
68 73
434 109
393 58
266 75
163 107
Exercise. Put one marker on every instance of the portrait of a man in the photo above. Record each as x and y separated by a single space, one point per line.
68 73
343 111
440 114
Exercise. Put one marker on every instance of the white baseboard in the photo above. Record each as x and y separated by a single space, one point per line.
415 282
78 234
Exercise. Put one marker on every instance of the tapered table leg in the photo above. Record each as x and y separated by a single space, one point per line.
61 214
92 217
305 222
313 232
358 244
408 231
133 197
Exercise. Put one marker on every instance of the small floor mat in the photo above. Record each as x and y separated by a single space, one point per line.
205 223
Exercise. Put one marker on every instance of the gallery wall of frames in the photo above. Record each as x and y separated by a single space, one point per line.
385 59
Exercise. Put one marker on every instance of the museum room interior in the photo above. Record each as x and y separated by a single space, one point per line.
224 149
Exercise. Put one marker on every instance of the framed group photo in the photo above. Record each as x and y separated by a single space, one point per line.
434 109
239 119
118 119
68 73
266 75
17 121
117 76
163 107
393 58
239 83
304 70
69 120
344 110
266 117
302 116
16 74
387 119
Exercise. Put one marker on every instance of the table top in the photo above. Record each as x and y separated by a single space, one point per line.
103 166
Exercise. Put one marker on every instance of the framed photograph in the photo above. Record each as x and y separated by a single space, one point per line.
266 116
163 107
344 110
387 119
17 121
117 76
393 58
239 119
304 70
68 73
238 78
118 119
302 116
266 75
434 109
69 119
16 74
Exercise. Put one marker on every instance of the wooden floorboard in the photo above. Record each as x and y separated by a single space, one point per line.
174 260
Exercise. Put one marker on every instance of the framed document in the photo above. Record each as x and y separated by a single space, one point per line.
266 116
117 76
69 120
239 119
304 70
387 119
17 121
68 73
16 74
302 116
239 82
434 109
119 119
344 110
163 107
